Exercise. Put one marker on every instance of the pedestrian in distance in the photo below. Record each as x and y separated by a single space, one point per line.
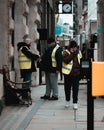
52 64
71 71
26 60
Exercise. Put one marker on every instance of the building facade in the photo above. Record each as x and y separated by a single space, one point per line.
100 29
20 18
87 26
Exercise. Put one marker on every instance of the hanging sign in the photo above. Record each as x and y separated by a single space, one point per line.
58 30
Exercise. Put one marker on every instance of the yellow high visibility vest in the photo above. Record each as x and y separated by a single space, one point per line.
54 63
24 62
66 68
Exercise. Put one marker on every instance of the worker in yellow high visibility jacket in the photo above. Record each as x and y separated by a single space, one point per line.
52 62
26 60
71 71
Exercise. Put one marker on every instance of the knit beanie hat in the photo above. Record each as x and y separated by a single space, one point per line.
72 44
50 40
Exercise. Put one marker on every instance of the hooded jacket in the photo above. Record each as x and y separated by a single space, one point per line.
25 49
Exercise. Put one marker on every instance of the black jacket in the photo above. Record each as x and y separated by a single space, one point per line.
47 60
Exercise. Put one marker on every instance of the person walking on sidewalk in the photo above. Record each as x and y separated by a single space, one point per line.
71 71
26 60
52 64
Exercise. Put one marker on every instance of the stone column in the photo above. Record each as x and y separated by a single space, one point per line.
100 30
19 28
4 32
34 16
4 39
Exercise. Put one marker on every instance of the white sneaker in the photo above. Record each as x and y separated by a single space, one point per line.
75 106
67 104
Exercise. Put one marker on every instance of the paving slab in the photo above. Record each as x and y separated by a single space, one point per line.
52 115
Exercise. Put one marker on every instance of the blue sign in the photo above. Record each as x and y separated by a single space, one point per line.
99 29
58 30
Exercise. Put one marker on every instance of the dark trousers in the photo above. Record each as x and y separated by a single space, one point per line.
26 77
71 83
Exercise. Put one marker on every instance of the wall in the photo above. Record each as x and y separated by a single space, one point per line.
101 31
4 25
92 10
12 32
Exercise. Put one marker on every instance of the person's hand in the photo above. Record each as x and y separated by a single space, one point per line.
57 71
72 50
39 59
76 50
65 53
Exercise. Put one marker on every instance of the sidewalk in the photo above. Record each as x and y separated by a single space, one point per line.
52 115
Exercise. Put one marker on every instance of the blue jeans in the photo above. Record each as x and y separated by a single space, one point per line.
51 84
